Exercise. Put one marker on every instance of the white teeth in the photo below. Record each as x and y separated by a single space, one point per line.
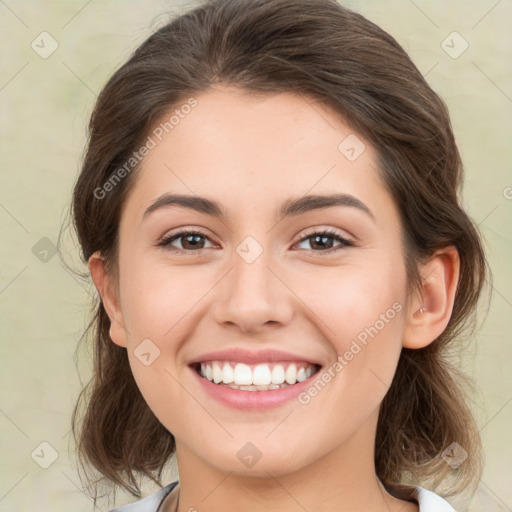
257 378
217 372
243 375
257 388
228 375
278 374
291 374
301 375
261 375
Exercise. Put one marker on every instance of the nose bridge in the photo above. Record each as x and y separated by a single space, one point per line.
252 295
251 274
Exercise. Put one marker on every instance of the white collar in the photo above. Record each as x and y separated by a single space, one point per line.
428 501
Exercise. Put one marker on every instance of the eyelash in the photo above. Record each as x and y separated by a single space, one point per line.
326 232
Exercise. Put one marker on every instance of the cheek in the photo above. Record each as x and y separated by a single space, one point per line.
348 300
159 298
362 315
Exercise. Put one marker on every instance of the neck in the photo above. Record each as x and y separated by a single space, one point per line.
343 480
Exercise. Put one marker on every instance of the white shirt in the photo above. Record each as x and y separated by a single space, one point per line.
427 501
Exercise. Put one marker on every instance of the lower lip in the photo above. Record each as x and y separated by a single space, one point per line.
253 400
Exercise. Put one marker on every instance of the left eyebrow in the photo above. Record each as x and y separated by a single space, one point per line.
317 202
289 208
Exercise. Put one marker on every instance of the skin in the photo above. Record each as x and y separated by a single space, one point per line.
251 154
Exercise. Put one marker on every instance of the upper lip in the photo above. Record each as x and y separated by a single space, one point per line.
252 357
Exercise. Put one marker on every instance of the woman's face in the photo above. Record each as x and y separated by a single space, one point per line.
257 280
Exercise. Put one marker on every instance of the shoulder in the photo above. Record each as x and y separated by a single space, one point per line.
150 503
428 501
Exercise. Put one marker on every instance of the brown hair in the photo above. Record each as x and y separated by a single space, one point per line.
335 56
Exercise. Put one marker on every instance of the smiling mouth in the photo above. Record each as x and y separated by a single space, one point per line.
255 377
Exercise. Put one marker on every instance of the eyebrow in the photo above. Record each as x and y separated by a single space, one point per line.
290 208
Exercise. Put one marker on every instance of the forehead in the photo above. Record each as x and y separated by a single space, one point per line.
252 152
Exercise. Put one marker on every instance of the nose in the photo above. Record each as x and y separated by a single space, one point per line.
253 296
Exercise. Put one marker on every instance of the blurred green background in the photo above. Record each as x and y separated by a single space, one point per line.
55 57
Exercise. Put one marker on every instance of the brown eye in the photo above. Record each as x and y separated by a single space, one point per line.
190 240
321 240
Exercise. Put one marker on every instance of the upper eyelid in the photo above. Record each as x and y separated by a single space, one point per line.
332 231
185 231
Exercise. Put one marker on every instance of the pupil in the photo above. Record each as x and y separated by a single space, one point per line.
194 239
323 240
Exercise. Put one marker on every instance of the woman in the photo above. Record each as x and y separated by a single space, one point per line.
269 208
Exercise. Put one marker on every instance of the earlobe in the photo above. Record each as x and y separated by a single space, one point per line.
429 314
109 299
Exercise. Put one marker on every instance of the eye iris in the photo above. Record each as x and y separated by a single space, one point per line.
196 239
324 241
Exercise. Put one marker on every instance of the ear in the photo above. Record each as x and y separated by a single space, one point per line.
109 298
429 314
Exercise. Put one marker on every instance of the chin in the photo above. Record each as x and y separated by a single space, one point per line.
251 459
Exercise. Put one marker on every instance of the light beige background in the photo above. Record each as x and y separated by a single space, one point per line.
45 104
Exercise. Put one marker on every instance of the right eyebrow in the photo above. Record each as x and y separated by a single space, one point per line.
200 204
